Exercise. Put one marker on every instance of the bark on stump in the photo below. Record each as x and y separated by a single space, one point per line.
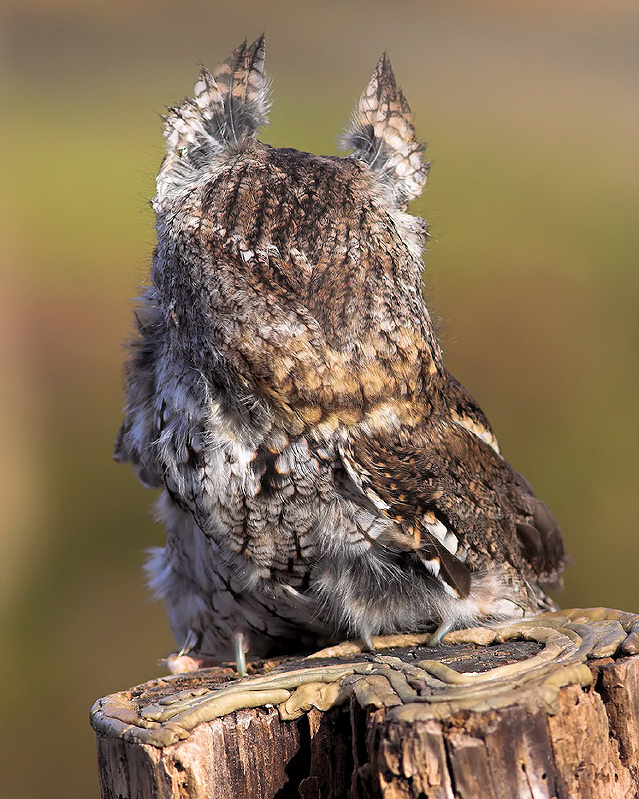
562 722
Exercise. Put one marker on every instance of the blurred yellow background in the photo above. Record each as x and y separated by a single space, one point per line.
529 110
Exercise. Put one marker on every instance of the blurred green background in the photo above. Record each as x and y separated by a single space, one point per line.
529 110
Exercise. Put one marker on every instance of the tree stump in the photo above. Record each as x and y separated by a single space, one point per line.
547 707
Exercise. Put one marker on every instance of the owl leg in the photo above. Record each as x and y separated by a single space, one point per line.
239 645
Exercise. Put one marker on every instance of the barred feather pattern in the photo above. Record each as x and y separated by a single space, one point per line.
322 473
382 134
230 105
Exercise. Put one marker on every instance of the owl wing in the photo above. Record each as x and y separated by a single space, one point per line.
537 531
141 426
455 502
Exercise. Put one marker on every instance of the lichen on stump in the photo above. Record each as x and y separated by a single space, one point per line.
542 708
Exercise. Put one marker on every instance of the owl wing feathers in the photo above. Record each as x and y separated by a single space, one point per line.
537 530
383 478
455 500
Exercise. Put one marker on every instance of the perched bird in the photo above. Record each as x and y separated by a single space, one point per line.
323 474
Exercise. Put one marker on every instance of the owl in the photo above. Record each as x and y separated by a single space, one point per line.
323 475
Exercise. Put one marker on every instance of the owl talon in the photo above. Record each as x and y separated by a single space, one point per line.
367 641
189 643
179 664
444 628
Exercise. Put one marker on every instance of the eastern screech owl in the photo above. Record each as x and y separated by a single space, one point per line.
324 475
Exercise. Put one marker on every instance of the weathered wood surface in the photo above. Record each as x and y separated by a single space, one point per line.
566 731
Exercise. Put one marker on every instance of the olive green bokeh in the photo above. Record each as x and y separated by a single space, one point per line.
532 201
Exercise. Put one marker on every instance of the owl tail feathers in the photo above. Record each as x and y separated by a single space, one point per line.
229 107
381 133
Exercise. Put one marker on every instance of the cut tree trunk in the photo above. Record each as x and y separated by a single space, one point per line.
401 725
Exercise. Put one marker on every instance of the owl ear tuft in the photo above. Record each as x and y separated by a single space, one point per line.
382 134
229 106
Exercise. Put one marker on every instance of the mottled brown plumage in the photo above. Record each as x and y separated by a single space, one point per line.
323 474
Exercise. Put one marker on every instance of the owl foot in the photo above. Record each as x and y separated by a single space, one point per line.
188 660
180 664
541 655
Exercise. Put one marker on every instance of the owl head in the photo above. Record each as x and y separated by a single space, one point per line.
231 105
